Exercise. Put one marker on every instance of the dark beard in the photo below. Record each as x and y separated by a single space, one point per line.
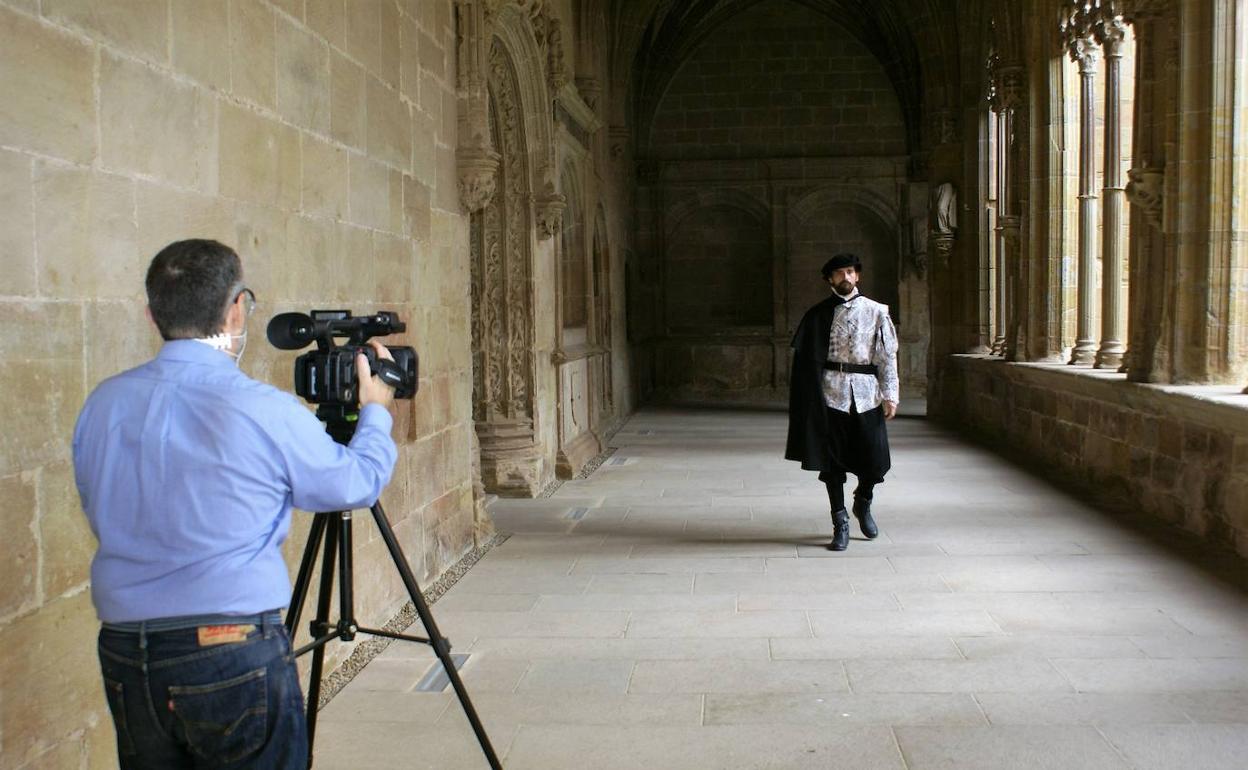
844 287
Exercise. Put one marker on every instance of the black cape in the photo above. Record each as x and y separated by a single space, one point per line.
865 451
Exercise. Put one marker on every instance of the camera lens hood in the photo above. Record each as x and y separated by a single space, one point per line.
291 331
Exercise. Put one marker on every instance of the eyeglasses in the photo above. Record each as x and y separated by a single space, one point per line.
250 305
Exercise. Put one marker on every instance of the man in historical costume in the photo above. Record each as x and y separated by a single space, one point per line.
842 389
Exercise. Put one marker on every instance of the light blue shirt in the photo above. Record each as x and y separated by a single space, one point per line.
188 469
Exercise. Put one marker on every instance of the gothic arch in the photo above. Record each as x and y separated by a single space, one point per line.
515 35
864 218
822 198
700 199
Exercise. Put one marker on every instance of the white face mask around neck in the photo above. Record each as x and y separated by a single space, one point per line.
225 342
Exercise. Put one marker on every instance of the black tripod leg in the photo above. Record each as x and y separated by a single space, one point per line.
441 647
300 593
320 624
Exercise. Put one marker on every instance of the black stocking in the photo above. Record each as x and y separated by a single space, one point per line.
836 490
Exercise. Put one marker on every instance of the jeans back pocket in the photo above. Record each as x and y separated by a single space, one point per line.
224 721
115 692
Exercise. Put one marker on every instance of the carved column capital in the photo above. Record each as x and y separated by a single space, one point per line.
1077 24
1007 88
478 174
1110 32
548 210
1085 52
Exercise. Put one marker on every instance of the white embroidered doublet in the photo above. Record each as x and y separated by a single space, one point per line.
862 333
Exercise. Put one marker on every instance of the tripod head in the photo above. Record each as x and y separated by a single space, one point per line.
340 421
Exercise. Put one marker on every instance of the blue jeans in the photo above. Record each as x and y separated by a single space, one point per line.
177 704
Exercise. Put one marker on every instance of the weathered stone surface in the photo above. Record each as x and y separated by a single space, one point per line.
17 227
166 215
84 223
47 94
259 158
328 18
65 537
417 222
19 571
409 58
370 195
51 676
324 168
363 35
154 126
46 388
198 31
302 77
253 52
389 125
348 119
138 27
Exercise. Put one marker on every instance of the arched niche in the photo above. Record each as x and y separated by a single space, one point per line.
574 272
840 219
718 267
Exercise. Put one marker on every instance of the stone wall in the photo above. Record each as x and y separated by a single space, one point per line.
777 143
1174 454
778 80
318 139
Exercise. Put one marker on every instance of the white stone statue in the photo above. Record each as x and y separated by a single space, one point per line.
945 209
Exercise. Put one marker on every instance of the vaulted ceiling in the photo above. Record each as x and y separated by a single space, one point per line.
914 40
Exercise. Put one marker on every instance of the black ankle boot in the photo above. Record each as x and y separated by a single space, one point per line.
840 530
862 512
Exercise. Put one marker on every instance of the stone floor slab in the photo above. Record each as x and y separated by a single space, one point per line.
1217 747
692 618
704 748
995 748
738 676
1034 708
830 708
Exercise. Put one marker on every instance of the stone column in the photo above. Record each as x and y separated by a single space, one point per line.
1010 96
1110 32
1084 51
999 282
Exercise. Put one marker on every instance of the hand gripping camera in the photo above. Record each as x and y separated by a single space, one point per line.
327 375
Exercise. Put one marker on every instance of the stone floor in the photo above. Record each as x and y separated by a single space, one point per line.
678 610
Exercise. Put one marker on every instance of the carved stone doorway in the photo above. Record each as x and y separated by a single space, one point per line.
502 302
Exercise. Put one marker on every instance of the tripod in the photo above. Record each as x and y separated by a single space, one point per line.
334 528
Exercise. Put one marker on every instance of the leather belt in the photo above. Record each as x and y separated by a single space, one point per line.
840 366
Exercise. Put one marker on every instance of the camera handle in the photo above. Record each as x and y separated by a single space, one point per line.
334 528
390 373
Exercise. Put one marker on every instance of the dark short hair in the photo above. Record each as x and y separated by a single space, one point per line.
839 261
188 287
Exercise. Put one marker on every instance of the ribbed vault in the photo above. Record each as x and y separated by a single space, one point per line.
652 38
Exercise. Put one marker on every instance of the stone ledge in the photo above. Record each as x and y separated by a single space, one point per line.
1224 407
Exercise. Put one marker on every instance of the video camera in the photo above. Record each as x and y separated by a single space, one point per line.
327 375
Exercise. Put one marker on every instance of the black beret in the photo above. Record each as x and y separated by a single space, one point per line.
839 261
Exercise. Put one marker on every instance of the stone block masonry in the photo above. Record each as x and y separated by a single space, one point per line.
1177 455
307 135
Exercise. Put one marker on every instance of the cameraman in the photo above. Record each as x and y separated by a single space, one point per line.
187 470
